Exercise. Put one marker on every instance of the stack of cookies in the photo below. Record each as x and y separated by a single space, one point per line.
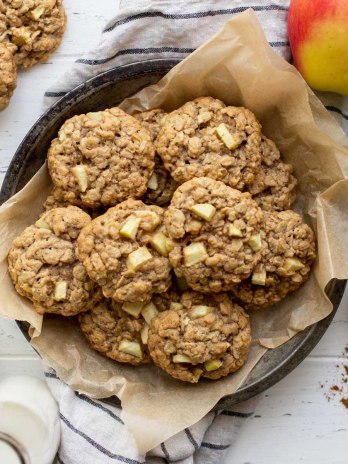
162 232
30 30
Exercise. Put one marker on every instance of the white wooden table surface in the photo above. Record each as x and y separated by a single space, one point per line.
293 421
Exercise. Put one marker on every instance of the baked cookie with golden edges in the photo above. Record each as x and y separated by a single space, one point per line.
215 230
115 333
285 264
206 336
274 187
101 159
205 138
161 186
32 29
126 251
8 76
44 268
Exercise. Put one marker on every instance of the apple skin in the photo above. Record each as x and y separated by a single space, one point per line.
318 34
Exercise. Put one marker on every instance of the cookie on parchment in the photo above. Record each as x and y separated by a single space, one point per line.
8 76
287 256
44 268
32 29
126 252
274 187
115 333
215 230
101 159
205 138
161 186
208 336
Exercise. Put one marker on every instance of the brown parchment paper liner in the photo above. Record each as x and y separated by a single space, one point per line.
238 66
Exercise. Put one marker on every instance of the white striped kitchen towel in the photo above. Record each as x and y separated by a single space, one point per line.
92 431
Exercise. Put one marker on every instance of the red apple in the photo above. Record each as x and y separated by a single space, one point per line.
318 33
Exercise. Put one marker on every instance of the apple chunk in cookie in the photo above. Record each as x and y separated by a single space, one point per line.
44 268
203 336
126 252
216 234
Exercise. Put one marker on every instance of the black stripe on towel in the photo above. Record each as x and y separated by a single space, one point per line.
99 406
165 452
200 14
213 446
55 94
136 51
96 445
191 439
337 110
237 414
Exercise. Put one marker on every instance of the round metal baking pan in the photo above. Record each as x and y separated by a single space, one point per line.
109 89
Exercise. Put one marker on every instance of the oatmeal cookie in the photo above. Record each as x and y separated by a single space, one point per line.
206 138
126 252
115 333
44 268
215 230
161 185
8 76
209 336
286 261
33 29
101 158
274 187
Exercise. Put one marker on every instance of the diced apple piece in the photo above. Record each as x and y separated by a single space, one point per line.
259 278
212 365
42 224
133 308
234 231
293 264
132 348
144 334
160 243
204 117
201 311
26 288
37 13
94 116
175 306
138 258
149 312
194 254
181 358
80 173
130 228
231 141
181 283
255 242
60 291
205 211
153 182
21 37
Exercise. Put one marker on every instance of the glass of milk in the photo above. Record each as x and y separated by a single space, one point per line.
29 421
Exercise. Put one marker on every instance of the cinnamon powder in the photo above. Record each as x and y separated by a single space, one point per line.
339 391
